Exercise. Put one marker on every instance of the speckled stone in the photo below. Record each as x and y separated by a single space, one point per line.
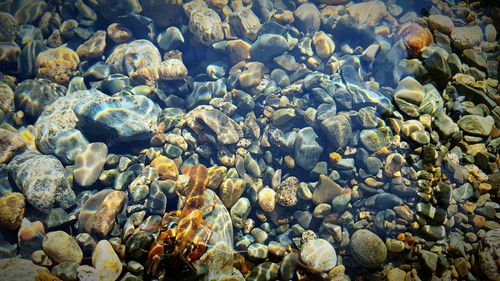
10 144
57 65
12 208
42 180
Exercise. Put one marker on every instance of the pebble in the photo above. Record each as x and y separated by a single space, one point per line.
251 75
268 46
326 189
104 259
441 23
307 17
61 247
200 19
466 37
172 69
89 164
12 209
364 241
66 271
40 258
430 259
94 46
368 13
119 33
318 255
231 190
323 44
476 125
10 144
396 274
267 199
286 192
58 64
105 216
165 167
307 149
258 251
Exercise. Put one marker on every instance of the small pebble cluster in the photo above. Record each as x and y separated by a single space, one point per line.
343 139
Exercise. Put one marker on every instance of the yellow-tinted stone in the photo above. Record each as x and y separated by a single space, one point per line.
165 167
217 175
323 44
335 157
12 209
57 65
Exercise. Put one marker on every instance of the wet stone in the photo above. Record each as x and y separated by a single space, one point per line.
94 46
10 144
265 271
268 46
32 96
307 150
307 17
364 241
66 271
286 192
319 255
338 130
326 189
106 262
200 19
61 247
42 180
374 139
258 251
12 209
466 37
57 65
89 164
476 125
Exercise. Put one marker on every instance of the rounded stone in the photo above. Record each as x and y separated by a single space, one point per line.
10 144
307 18
119 33
368 249
8 26
106 262
172 69
165 167
323 44
58 65
318 255
61 247
267 199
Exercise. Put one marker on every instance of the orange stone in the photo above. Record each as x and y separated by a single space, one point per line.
415 38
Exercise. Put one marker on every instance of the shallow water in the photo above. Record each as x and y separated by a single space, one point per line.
331 139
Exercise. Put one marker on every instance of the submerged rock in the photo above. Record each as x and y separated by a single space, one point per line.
58 65
89 164
117 119
212 123
42 180
368 249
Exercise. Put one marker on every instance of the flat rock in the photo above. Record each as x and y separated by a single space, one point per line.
307 17
326 189
367 13
20 269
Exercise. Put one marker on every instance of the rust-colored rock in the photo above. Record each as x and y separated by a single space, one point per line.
415 38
